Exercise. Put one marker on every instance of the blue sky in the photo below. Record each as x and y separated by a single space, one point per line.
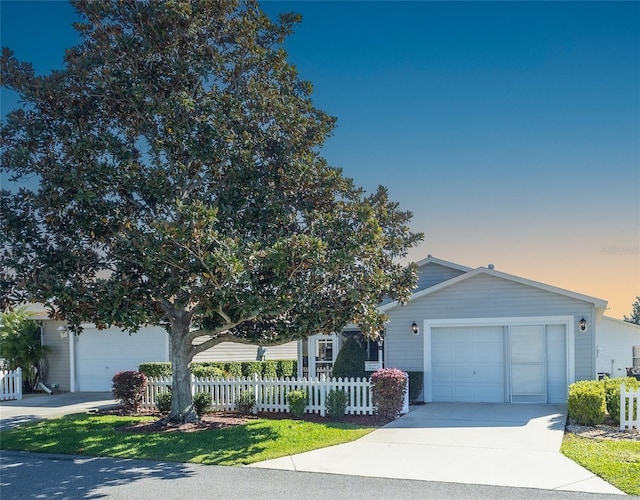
510 129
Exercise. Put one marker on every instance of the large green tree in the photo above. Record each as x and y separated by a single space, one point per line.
180 184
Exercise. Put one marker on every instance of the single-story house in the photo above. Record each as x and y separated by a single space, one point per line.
617 347
481 335
87 362
478 335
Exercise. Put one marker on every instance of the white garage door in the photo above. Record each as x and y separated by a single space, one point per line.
468 364
100 354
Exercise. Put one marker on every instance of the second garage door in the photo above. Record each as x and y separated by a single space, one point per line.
468 364
100 354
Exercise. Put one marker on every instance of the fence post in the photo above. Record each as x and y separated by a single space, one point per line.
405 403
256 394
18 381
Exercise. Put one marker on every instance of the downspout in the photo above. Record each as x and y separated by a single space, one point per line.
73 378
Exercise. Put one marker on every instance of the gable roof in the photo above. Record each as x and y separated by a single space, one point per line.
433 260
599 304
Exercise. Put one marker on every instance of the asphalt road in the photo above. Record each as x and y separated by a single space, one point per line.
36 476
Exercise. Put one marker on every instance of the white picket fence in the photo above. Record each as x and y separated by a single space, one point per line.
270 394
629 408
10 384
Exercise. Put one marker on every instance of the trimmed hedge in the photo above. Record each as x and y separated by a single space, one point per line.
273 368
350 360
612 393
416 381
586 403
128 387
388 387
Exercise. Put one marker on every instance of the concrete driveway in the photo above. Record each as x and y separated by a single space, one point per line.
494 444
39 407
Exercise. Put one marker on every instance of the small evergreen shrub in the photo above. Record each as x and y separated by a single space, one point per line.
612 393
163 402
245 402
416 380
286 368
269 369
297 401
336 404
206 371
128 388
388 386
156 370
586 403
350 360
201 402
233 369
251 368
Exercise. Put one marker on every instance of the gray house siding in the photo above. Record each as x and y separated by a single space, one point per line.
432 274
231 351
58 358
485 296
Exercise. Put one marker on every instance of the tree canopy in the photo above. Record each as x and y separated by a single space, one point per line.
180 182
635 313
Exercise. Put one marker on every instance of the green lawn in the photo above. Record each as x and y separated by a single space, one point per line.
617 462
257 440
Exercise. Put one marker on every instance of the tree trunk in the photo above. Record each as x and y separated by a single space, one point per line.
182 409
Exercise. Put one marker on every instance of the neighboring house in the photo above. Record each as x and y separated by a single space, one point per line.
88 362
481 335
615 343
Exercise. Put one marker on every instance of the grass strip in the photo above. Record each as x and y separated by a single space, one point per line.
255 441
617 462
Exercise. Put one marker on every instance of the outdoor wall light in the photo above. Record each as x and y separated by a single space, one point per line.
583 325
63 332
414 328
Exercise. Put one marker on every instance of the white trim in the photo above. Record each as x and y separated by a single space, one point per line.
72 362
452 265
428 325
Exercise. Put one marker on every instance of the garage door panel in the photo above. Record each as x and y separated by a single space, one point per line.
100 354
468 364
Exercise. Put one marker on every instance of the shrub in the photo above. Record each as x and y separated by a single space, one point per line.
297 402
388 386
586 402
286 368
336 404
209 370
270 369
251 368
163 402
128 388
350 360
246 402
156 370
201 402
233 369
612 393
416 380
21 346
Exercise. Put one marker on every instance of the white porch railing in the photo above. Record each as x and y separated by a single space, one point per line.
10 384
270 394
629 408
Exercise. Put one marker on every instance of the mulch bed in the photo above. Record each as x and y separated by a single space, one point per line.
225 419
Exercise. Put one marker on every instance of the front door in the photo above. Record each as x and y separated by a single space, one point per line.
318 355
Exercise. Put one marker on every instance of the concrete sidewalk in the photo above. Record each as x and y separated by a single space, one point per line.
492 444
40 407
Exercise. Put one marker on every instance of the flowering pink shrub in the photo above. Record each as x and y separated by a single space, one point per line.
128 388
389 386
